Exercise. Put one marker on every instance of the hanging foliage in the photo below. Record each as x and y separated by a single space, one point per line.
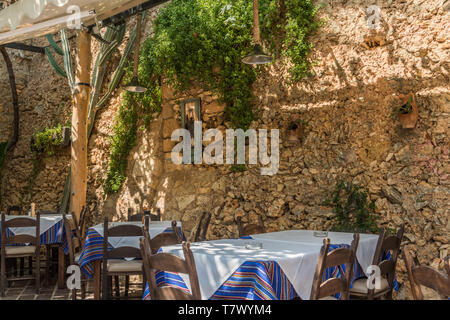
204 41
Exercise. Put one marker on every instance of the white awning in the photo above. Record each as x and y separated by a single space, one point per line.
26 19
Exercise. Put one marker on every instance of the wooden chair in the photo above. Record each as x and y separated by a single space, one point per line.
75 245
170 263
325 290
163 239
18 210
51 251
134 217
113 263
426 276
250 229
131 218
12 209
138 216
80 223
32 250
387 268
199 232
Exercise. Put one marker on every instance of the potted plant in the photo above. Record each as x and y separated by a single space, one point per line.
296 130
407 112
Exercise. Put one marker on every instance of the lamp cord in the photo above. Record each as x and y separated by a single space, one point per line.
137 44
256 32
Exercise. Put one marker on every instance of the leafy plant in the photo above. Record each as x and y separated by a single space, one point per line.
407 107
354 211
46 140
238 168
292 21
204 41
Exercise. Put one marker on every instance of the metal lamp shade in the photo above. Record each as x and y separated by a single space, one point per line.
257 56
135 86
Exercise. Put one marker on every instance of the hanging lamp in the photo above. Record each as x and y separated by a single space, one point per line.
257 56
134 85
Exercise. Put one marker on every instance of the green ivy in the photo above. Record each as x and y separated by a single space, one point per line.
204 41
354 212
46 140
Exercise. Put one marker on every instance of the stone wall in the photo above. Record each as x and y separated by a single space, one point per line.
351 133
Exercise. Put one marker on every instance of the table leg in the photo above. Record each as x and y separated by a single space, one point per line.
97 269
61 268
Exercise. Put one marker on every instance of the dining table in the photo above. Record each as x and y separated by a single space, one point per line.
269 266
51 228
91 255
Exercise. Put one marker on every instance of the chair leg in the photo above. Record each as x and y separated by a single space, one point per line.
127 285
144 283
30 266
38 271
110 287
83 290
22 266
104 279
15 268
47 264
2 277
117 287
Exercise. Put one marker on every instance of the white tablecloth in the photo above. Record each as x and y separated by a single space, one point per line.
46 222
154 228
295 251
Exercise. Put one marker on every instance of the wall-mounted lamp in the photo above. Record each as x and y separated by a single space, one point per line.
257 56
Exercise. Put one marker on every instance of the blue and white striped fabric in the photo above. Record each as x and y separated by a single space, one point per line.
55 234
256 280
93 250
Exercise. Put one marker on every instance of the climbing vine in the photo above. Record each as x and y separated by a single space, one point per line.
204 41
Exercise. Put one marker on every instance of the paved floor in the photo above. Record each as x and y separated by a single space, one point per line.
26 290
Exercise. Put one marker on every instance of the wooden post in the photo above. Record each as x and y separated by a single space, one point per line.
78 164
33 210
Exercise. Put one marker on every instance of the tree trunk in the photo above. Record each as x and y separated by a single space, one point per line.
15 98
79 125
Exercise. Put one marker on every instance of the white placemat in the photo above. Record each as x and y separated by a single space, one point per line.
217 260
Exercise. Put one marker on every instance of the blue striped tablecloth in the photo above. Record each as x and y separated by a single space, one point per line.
55 234
93 250
256 280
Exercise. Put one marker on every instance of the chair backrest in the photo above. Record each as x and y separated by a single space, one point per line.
75 244
170 263
155 217
80 223
249 229
21 222
334 258
426 276
163 239
202 227
12 209
124 230
47 212
387 265
134 217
